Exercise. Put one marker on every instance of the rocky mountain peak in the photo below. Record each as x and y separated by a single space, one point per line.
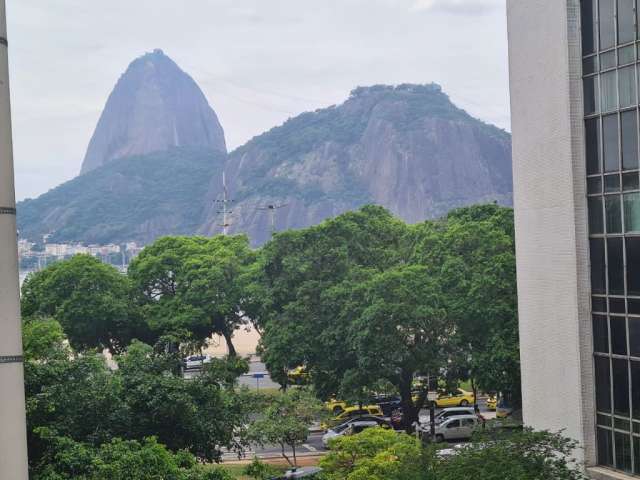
154 106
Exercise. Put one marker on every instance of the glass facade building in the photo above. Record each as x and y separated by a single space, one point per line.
611 79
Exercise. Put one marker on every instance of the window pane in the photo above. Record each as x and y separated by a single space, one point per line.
592 133
597 266
610 140
629 132
613 213
618 327
620 386
590 95
607 24
605 447
626 28
617 305
608 60
615 266
634 340
633 266
623 451
636 453
600 334
596 224
603 384
635 388
612 183
608 93
594 185
590 65
626 55
589 27
630 181
627 79
632 212
634 308
598 304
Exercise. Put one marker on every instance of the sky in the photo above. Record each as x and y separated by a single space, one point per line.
258 62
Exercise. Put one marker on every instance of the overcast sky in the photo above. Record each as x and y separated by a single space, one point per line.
257 61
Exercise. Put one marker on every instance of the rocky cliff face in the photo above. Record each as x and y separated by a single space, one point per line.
154 106
407 148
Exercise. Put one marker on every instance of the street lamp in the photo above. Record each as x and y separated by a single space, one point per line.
13 434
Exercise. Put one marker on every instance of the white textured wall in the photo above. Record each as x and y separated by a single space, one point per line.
550 215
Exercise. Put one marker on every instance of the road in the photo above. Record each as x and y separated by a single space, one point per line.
313 446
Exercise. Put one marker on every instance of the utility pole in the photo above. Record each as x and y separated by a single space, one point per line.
225 210
13 425
272 209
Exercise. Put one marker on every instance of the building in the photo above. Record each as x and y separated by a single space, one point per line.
574 99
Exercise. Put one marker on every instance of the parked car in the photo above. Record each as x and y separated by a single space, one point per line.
448 413
352 412
349 428
299 375
455 398
196 361
492 403
336 406
457 428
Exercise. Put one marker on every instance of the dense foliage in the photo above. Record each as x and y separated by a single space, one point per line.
77 399
125 200
90 299
365 299
378 454
196 285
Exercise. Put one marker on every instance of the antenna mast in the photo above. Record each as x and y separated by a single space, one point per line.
225 210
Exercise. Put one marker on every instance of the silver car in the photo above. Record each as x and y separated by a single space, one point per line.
457 428
349 428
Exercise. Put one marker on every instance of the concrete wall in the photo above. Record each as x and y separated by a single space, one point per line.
551 218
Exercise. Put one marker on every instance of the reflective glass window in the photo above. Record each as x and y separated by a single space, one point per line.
613 213
615 266
610 143
605 447
603 384
596 224
627 86
633 266
598 270
608 91
592 134
618 327
623 451
620 369
607 24
629 134
630 181
632 212
600 334
590 95
626 27
589 26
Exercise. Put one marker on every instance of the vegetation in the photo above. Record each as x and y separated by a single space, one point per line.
90 300
365 299
378 454
195 285
364 302
76 400
286 421
127 197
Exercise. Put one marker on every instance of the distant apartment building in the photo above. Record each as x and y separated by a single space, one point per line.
574 104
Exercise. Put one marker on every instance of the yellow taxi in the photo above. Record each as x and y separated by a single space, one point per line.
336 406
298 375
352 412
492 403
456 398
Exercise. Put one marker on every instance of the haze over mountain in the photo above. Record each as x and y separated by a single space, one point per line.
155 163
153 107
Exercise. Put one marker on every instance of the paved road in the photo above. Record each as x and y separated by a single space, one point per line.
312 447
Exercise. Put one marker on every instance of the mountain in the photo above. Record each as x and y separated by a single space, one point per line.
132 199
408 148
153 107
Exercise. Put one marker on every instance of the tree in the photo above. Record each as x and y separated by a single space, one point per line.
89 299
472 255
525 455
402 330
195 284
376 454
285 421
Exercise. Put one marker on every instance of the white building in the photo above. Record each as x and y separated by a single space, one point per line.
574 106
